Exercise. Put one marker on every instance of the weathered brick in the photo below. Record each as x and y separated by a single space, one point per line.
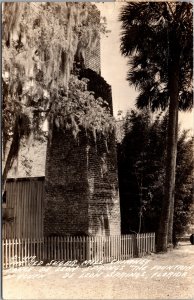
82 188
81 176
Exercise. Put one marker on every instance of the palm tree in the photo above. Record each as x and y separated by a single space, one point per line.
157 39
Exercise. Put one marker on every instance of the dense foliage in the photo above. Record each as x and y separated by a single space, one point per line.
158 41
40 42
152 33
141 157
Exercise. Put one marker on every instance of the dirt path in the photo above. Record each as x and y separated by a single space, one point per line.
164 276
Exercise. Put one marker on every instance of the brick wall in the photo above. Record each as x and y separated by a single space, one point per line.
81 176
104 205
81 187
92 58
66 187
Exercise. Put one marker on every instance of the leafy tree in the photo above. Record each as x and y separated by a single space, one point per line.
40 42
184 212
141 157
157 38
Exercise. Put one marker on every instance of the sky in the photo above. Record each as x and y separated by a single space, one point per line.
114 66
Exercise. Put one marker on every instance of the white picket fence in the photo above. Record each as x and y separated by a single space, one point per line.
18 252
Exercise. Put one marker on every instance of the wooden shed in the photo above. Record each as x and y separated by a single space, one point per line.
23 208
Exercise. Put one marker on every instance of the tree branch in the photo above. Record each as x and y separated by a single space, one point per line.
170 8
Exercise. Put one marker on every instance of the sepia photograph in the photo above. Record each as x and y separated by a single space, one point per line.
97 150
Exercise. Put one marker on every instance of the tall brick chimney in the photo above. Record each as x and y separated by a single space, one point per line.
81 182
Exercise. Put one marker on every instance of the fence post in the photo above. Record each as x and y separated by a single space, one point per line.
12 253
3 258
16 252
135 245
102 248
154 242
83 256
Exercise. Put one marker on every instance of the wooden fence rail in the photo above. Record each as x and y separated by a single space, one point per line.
19 252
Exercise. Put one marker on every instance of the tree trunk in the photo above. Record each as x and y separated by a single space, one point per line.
13 152
170 227
168 202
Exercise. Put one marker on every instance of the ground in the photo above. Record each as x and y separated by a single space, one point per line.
140 278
